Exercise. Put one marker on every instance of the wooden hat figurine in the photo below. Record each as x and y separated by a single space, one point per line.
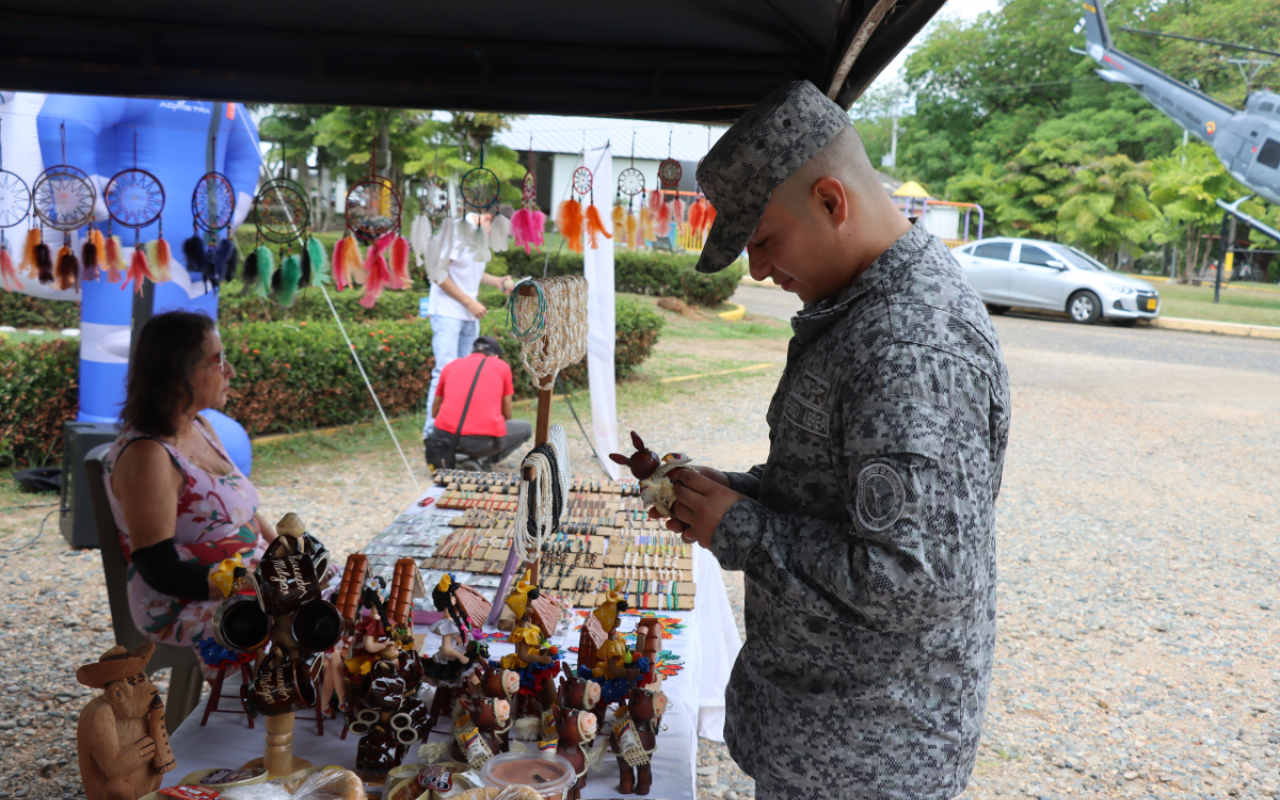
121 739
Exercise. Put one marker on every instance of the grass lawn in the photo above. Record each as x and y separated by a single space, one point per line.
1245 306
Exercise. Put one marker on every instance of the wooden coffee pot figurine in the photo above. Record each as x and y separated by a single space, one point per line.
121 740
652 472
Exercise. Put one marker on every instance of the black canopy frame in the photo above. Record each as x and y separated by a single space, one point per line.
702 61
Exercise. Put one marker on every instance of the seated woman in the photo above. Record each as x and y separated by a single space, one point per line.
180 504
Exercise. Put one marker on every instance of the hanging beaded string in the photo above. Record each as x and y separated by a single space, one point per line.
542 501
551 325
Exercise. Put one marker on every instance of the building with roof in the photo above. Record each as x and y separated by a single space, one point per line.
558 144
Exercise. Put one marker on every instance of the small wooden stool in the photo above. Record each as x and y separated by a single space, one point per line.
215 693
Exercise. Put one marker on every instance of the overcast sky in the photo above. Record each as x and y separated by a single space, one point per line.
954 9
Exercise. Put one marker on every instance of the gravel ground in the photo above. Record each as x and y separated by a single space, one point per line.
1138 527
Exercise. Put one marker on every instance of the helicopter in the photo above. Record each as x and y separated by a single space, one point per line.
1246 142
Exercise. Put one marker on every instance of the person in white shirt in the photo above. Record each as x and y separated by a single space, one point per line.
455 315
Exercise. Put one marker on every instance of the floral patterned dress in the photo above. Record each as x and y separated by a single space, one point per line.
215 521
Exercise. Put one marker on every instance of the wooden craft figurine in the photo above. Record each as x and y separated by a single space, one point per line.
617 668
635 738
533 659
121 740
576 730
456 660
384 674
480 727
651 471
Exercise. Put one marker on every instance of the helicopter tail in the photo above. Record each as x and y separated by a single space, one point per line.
1095 27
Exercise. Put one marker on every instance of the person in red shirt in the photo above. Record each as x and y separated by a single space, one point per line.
488 434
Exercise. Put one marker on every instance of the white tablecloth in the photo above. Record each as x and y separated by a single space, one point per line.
707 648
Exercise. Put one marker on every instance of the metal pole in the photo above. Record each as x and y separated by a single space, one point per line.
1227 219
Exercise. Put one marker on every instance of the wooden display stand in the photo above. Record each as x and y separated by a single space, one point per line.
278 757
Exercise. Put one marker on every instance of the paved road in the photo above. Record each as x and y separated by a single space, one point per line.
1025 331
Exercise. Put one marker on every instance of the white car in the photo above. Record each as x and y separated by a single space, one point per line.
1033 274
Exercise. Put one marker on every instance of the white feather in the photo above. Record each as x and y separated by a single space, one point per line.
434 752
420 239
499 233
528 729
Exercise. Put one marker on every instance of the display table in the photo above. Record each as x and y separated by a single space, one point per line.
698 658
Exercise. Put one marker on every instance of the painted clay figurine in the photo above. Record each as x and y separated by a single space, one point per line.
651 471
121 740
533 660
617 668
456 660
635 738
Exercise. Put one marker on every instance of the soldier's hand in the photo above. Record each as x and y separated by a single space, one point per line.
701 501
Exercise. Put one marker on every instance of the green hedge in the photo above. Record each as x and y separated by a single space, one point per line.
39 390
290 374
23 311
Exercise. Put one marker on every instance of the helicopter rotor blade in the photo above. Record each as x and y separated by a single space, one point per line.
1201 41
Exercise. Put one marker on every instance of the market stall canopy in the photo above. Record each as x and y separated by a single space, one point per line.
701 61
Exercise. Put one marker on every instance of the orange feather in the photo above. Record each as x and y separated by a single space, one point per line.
115 260
8 276
595 226
138 270
569 220
663 225
29 253
696 216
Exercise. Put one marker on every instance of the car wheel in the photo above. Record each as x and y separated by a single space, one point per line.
1124 323
996 308
1083 306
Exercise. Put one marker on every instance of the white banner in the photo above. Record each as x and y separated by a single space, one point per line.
601 331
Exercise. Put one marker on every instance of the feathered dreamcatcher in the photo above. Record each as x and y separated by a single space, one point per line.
213 206
569 216
432 249
135 199
282 215
373 215
62 198
668 212
480 189
15 207
630 184
528 222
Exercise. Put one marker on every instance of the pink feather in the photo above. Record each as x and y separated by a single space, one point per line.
677 212
656 200
379 276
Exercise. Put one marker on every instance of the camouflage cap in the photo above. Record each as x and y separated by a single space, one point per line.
764 147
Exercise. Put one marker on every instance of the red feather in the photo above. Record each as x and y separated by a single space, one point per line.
709 216
138 270
378 275
656 200
115 260
664 220
595 226
400 262
677 212
8 275
696 216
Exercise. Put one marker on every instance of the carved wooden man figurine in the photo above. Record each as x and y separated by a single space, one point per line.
121 739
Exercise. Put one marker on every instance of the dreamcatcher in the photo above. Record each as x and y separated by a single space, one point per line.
630 184
15 206
135 199
669 173
528 222
480 188
433 203
373 215
569 216
213 206
62 198
282 216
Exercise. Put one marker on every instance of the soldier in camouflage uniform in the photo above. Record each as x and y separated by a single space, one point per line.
867 539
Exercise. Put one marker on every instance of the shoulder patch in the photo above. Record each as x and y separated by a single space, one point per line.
881 496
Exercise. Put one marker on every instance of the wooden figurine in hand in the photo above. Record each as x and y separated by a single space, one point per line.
652 472
121 740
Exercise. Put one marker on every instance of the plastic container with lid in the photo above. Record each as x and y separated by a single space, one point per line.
548 774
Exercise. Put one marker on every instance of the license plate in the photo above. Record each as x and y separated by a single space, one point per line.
1151 304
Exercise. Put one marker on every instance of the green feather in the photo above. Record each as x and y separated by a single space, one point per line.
319 262
266 266
290 276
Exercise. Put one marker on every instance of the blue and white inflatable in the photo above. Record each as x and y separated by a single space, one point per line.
178 141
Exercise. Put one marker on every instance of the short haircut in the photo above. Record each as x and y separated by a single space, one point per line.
170 348
844 158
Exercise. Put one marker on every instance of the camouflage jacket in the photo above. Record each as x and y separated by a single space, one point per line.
868 541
